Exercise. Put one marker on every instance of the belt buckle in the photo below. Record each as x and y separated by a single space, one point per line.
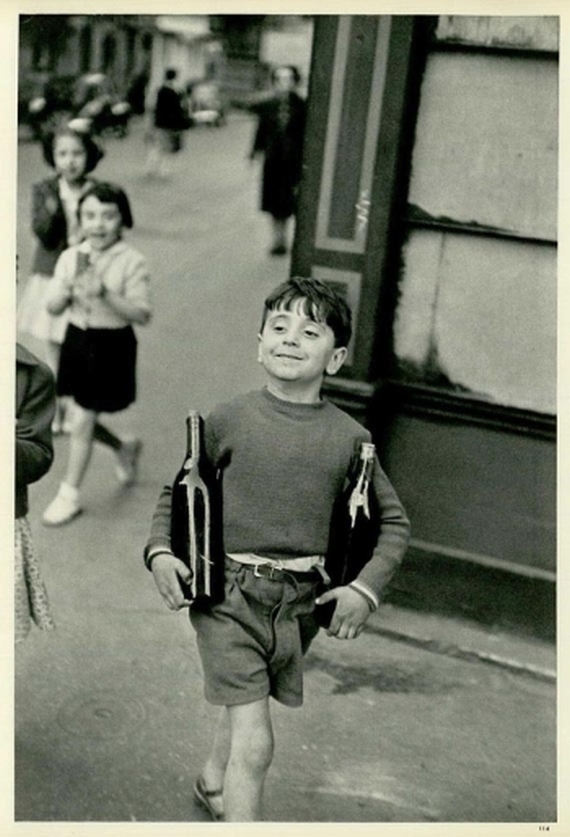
269 570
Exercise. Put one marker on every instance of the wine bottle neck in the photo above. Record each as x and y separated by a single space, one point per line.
193 442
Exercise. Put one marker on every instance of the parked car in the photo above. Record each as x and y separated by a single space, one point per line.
96 99
206 105
42 98
45 101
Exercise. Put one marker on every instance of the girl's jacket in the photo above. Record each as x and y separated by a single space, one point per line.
49 225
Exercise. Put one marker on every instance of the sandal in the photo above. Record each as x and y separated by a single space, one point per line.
203 796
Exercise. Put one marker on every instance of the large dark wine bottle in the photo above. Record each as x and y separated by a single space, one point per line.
196 518
354 527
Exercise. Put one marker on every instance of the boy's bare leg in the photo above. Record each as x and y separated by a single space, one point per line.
251 754
214 771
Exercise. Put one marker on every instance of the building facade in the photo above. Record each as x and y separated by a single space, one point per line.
118 45
430 198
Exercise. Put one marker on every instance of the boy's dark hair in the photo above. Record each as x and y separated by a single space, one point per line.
322 304
93 150
110 193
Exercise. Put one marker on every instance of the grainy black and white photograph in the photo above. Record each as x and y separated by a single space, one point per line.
249 246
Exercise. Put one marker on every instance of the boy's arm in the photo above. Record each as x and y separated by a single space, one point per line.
159 558
393 538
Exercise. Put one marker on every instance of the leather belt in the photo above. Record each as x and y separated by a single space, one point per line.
275 573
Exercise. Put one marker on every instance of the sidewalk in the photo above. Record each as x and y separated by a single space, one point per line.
466 640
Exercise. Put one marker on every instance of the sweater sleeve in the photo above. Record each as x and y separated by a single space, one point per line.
159 538
48 217
392 539
136 287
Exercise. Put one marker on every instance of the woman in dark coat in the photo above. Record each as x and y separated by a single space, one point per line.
279 137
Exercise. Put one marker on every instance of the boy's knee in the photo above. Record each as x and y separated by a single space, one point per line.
252 742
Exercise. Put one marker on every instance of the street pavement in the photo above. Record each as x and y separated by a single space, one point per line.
420 720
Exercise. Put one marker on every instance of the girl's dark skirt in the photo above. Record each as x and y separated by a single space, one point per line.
97 368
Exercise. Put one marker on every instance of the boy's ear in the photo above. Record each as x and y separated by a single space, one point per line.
259 348
336 360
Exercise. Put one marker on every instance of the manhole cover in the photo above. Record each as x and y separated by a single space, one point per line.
102 714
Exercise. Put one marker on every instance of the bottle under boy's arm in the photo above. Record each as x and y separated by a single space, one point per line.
191 531
190 512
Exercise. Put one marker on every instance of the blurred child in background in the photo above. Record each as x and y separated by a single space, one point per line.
73 154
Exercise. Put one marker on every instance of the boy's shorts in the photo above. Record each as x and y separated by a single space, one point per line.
252 644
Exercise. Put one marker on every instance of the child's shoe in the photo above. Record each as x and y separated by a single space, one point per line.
64 506
128 466
206 799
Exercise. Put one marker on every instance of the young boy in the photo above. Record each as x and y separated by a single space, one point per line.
284 454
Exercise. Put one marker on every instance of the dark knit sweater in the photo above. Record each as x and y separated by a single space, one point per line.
283 465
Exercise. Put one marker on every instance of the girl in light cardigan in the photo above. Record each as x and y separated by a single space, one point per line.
105 285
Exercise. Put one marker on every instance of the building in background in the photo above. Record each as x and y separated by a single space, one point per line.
429 196
237 51
254 44
118 45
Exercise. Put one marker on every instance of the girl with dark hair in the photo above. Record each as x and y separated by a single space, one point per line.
104 285
73 155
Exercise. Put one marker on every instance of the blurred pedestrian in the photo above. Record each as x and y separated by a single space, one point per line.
284 453
136 94
105 285
74 155
35 407
169 121
279 138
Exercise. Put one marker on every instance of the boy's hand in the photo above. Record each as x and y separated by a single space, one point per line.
166 569
350 613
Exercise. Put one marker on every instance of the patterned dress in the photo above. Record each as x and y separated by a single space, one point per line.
31 603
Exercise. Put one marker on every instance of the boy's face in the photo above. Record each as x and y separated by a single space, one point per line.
101 223
295 348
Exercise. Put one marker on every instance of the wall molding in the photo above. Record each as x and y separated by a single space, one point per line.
438 404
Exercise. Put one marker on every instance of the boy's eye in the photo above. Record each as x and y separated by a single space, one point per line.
311 332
